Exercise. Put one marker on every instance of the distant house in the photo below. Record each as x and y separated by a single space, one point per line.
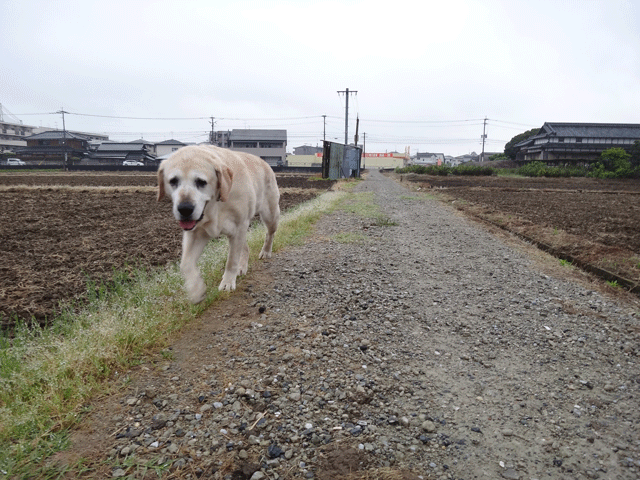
469 157
306 150
167 147
270 145
425 158
13 135
151 147
116 153
576 141
52 145
221 138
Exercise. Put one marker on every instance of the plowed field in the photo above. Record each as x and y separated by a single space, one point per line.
592 222
60 233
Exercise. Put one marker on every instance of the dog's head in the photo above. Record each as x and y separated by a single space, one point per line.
193 176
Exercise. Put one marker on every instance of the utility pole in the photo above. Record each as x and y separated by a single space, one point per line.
212 140
484 136
364 149
346 114
324 129
64 139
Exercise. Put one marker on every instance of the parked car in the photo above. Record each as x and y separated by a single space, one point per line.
132 163
15 161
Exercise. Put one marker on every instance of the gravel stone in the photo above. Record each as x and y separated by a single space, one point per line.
426 345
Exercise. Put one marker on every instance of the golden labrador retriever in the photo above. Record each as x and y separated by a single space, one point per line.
218 191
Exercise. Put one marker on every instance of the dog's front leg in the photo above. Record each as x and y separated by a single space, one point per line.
237 261
193 243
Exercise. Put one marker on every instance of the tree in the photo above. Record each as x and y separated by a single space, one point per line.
509 149
614 163
635 154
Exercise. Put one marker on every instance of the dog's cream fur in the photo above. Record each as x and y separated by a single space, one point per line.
216 192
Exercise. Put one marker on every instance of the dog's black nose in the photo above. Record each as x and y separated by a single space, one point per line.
185 209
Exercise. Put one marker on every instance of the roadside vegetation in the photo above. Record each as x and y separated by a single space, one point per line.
444 170
613 163
47 375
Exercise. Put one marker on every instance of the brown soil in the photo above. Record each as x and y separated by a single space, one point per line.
589 221
55 241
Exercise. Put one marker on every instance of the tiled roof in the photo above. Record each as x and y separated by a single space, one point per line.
598 130
257 135
585 130
121 147
55 135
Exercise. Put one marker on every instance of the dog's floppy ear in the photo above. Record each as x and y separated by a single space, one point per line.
160 182
225 178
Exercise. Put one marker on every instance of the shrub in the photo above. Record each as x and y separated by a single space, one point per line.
614 164
540 169
472 170
532 169
444 170
425 169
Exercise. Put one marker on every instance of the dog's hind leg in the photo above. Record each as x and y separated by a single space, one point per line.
270 220
244 260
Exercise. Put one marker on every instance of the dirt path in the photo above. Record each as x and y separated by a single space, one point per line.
423 346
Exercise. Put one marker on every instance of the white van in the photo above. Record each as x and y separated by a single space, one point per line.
15 161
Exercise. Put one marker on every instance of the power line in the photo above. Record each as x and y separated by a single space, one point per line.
426 121
119 117
512 123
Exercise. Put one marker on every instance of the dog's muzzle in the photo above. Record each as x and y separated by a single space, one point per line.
186 209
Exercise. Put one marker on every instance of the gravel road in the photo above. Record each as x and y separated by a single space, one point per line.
419 347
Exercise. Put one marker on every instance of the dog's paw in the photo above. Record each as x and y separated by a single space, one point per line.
198 296
228 283
197 291
264 254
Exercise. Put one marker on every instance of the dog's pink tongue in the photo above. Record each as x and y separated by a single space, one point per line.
187 224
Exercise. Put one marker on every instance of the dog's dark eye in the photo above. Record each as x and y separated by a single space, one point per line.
173 182
201 183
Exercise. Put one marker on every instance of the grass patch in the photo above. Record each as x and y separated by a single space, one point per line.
363 204
47 375
349 237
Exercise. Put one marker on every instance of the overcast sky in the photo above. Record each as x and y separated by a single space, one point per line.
426 73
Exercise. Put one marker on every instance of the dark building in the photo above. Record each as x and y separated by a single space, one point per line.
576 141
306 150
116 153
270 145
53 145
